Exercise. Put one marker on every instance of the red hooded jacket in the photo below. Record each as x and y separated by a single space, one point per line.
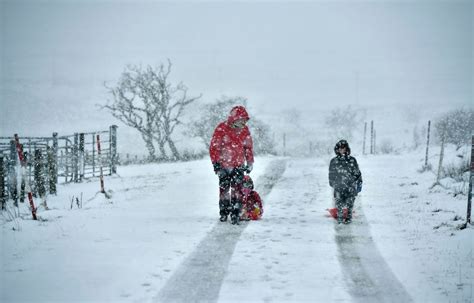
231 146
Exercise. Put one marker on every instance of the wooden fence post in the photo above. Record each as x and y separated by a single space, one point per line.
469 193
2 183
12 179
75 158
93 155
113 149
441 156
23 193
64 158
471 177
52 177
39 176
81 161
55 163
371 137
102 188
427 143
365 134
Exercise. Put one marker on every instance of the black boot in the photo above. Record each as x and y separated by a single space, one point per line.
340 215
234 219
349 216
235 214
223 210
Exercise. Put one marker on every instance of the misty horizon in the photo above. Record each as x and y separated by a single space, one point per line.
311 56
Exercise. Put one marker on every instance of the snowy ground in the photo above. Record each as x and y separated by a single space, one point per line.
158 239
415 229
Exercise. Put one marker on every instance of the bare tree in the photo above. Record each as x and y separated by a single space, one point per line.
145 100
456 126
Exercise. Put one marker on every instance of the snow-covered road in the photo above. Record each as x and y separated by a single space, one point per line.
159 240
200 276
366 273
293 254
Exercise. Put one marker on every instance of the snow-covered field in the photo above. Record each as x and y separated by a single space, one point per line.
415 228
160 232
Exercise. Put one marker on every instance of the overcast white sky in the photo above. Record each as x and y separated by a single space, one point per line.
57 54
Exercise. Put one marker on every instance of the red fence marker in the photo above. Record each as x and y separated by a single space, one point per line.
21 156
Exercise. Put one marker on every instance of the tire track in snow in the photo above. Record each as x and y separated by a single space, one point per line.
368 275
199 277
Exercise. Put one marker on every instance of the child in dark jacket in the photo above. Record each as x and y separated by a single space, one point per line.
346 179
252 203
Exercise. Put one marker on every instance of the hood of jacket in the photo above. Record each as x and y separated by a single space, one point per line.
238 112
340 144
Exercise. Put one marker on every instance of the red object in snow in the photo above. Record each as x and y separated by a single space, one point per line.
231 146
333 212
252 206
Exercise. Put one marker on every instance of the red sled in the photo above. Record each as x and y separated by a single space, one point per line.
333 212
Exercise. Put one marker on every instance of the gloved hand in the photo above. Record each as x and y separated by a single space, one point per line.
217 167
359 187
249 168
238 174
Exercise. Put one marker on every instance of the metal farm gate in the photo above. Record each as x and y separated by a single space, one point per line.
56 159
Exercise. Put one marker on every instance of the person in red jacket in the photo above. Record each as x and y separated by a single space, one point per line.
252 203
231 151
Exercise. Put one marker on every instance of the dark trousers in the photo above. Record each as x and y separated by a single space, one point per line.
230 191
344 200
